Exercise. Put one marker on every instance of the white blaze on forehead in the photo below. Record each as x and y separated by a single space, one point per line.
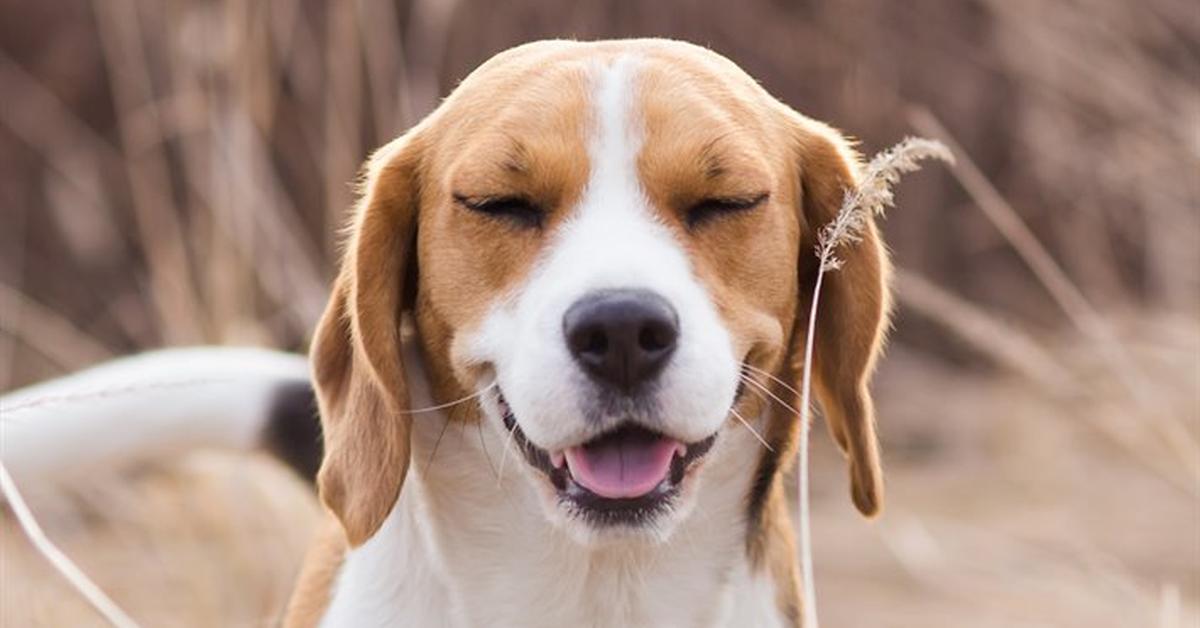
617 140
611 240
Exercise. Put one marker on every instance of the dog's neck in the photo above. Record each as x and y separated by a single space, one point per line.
468 544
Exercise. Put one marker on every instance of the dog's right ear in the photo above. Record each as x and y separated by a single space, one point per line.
357 367
854 307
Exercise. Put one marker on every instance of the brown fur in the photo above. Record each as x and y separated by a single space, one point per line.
314 585
357 367
518 126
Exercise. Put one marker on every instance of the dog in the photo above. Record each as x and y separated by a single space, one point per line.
556 375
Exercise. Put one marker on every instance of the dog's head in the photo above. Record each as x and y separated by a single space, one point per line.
616 241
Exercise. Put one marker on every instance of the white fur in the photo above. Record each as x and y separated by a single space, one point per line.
472 542
141 408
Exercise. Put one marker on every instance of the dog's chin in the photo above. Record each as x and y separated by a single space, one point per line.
628 483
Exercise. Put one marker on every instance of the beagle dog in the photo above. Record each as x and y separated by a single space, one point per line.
606 250
556 372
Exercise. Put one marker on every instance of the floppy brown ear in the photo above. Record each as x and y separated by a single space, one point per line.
853 309
356 360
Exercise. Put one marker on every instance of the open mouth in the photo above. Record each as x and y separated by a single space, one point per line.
627 475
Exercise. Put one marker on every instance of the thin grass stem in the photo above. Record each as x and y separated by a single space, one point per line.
57 559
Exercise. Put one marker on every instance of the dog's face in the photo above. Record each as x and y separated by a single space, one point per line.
611 241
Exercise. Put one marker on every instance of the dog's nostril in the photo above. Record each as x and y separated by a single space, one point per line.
595 342
621 337
655 337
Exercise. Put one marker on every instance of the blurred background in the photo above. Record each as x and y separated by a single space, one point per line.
173 172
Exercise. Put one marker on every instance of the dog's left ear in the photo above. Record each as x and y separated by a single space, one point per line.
356 360
853 308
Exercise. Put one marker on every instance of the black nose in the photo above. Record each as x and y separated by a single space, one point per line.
621 337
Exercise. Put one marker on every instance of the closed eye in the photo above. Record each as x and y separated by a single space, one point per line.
516 209
712 208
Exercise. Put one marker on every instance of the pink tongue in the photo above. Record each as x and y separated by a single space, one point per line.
622 469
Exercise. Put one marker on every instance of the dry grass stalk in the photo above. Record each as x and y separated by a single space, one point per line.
869 199
386 74
342 102
48 333
1004 343
64 565
161 233
1093 325
1017 233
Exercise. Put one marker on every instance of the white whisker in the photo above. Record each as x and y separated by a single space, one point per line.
760 386
758 393
483 445
751 428
504 454
450 404
437 444
772 377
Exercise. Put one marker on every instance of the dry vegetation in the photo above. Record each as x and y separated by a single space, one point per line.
171 172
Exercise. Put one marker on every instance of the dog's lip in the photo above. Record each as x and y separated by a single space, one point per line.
566 468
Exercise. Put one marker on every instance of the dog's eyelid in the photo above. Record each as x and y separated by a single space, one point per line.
516 208
712 207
